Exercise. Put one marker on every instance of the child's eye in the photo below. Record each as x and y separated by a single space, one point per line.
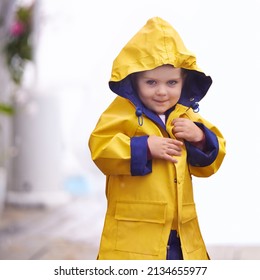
172 83
151 82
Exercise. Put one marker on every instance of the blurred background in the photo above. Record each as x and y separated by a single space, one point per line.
55 63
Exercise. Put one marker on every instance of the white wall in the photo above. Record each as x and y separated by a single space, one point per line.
79 40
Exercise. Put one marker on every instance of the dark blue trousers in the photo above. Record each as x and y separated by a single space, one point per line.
174 251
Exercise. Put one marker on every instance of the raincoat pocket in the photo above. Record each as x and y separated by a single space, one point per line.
140 226
192 239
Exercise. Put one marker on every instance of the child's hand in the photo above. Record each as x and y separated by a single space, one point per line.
164 148
185 129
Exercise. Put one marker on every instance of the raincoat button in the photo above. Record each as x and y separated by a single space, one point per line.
175 180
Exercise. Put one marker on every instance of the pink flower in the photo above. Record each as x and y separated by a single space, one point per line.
17 29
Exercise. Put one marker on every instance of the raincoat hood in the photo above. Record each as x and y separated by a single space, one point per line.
155 44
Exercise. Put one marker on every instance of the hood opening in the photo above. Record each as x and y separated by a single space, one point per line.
195 87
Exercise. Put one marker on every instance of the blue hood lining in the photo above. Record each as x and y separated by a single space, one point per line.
195 87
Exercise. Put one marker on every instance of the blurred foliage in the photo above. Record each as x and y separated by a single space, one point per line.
19 47
6 109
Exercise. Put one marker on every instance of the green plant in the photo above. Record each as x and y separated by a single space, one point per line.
6 109
19 47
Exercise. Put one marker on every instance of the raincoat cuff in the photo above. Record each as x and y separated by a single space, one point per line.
140 165
205 157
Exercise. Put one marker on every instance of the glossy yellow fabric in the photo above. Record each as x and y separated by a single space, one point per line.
157 43
140 208
143 207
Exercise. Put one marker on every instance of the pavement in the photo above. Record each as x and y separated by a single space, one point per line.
72 232
65 232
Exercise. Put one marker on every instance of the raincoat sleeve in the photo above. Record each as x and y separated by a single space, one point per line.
140 165
206 162
114 148
198 157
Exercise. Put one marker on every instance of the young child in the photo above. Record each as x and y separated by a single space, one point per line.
148 143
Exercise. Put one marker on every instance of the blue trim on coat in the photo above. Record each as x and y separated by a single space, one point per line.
197 157
140 165
154 117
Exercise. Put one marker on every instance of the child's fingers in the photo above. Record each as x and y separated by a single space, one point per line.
178 121
171 159
175 142
174 151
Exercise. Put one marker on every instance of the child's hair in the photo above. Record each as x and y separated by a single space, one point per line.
184 72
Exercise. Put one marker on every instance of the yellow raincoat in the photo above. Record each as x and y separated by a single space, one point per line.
145 196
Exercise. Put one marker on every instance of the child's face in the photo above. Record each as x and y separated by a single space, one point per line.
160 88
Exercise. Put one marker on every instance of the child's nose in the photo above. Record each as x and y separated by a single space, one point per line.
161 90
